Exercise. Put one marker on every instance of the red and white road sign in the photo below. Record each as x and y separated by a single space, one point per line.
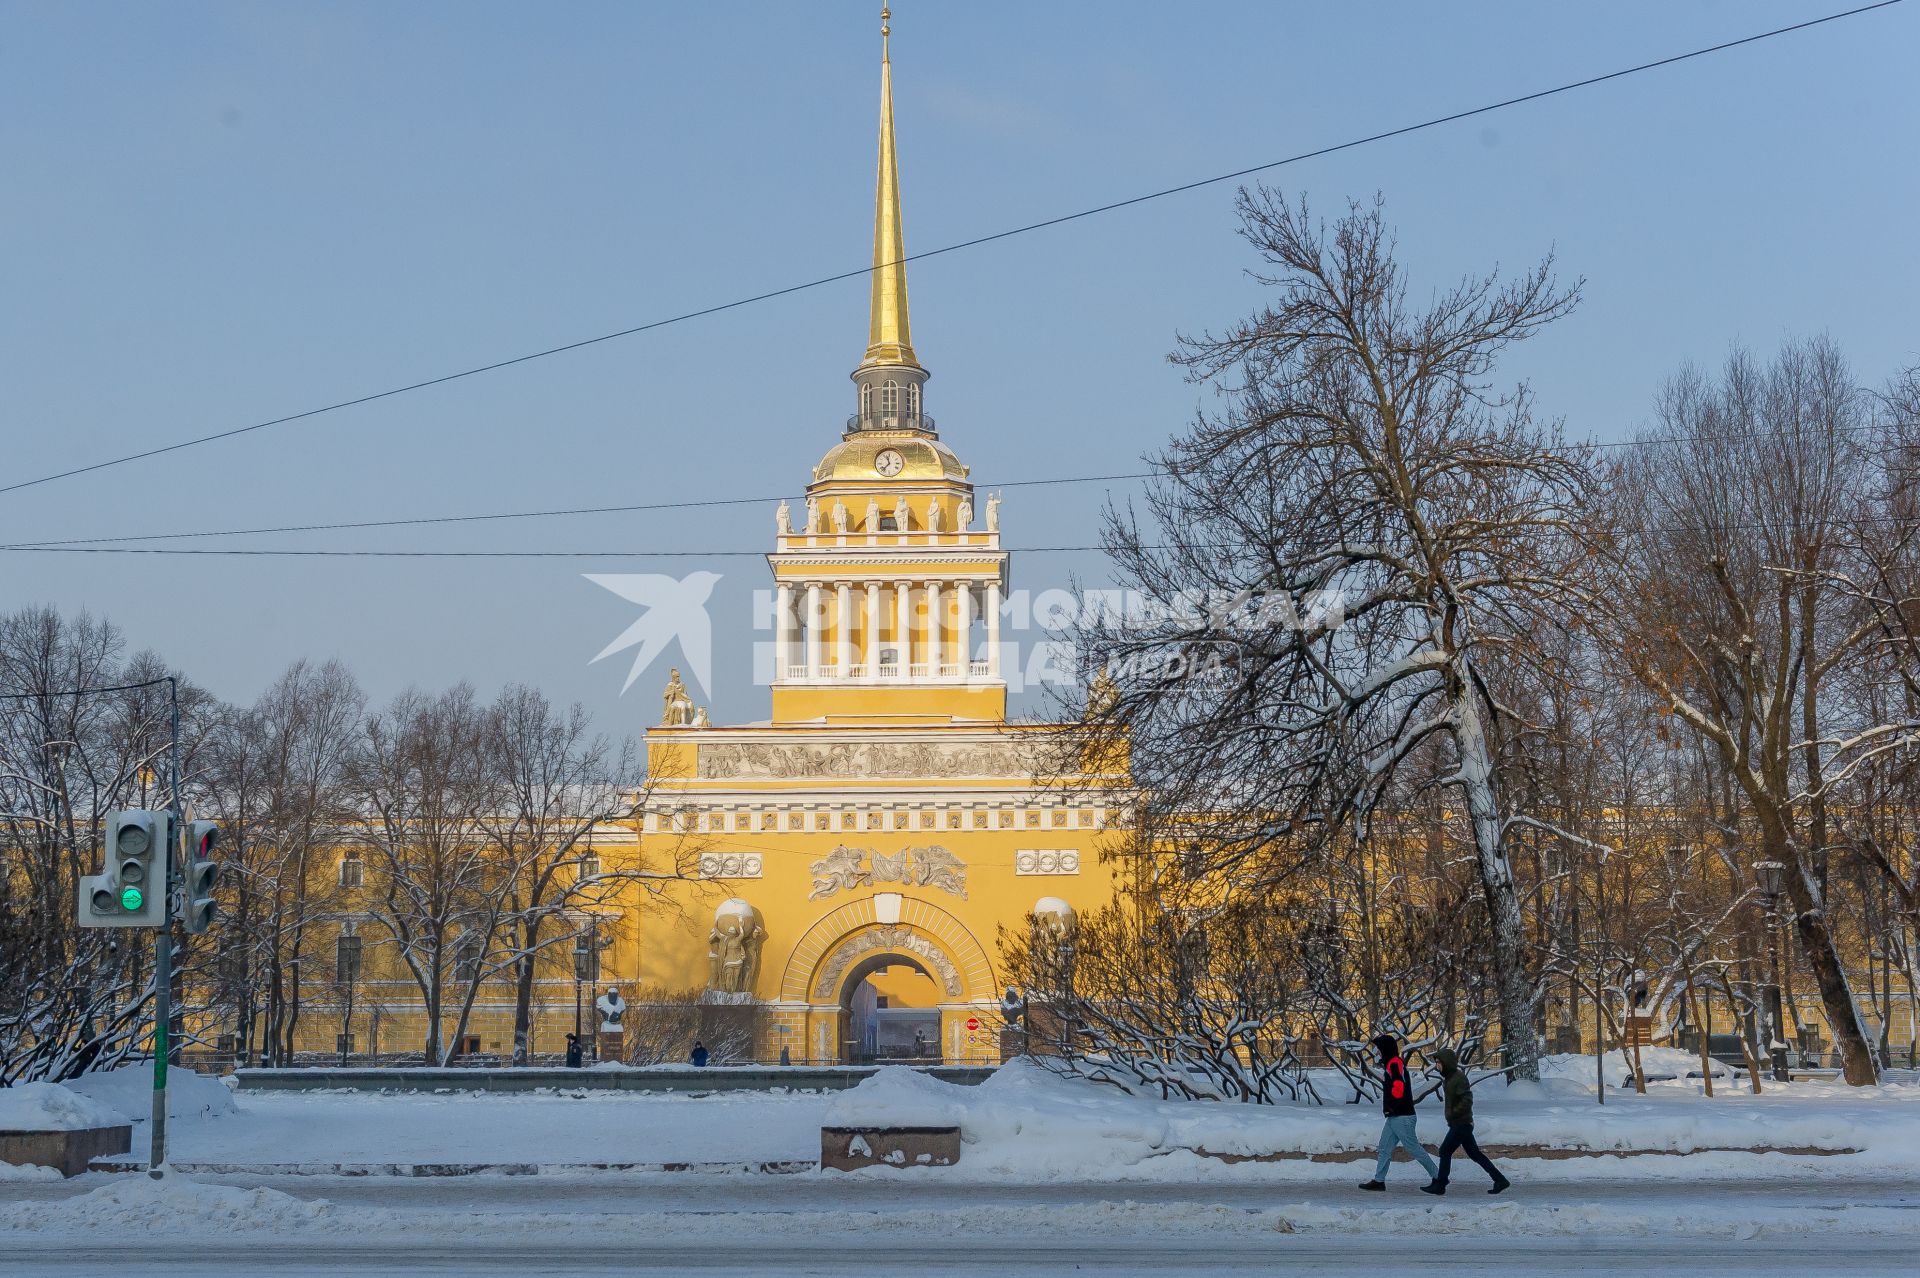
973 1023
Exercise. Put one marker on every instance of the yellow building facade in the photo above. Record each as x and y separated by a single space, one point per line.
855 856
831 882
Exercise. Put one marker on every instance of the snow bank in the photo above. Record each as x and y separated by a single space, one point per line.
49 1107
173 1204
28 1171
896 1096
1028 1123
1669 1065
129 1090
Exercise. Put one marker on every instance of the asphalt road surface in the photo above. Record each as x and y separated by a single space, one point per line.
750 1224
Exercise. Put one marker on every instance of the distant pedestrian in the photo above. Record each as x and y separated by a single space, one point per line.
699 1054
786 1057
1459 1093
573 1051
1396 1101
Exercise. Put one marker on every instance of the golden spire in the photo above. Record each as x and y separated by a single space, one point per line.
889 340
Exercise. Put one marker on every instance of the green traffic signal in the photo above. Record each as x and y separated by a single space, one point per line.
131 899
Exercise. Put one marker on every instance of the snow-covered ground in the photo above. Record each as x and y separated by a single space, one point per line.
1045 1160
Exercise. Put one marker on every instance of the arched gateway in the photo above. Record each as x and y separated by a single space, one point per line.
888 930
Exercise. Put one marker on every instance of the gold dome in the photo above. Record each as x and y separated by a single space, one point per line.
853 459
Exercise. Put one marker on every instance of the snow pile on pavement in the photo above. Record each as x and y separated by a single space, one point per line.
1663 1066
49 1107
172 1204
897 1096
129 1089
1027 1122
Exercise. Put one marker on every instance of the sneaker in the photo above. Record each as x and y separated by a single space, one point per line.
1379 1186
1434 1187
1498 1185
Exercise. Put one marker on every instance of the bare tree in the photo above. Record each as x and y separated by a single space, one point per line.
423 780
279 784
1736 519
1365 457
559 781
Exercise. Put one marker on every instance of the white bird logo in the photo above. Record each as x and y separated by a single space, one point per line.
676 608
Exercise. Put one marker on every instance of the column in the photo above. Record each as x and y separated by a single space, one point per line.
933 629
993 628
963 625
843 627
782 635
903 625
813 630
873 630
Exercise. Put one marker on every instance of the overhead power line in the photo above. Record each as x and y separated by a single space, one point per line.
495 516
975 242
414 521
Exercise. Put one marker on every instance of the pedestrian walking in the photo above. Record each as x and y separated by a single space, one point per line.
573 1051
1396 1100
699 1054
1459 1093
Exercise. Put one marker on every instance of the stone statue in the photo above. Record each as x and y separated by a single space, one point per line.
839 515
1102 694
700 719
733 948
813 514
783 520
993 512
965 518
902 517
873 514
1054 923
933 516
676 705
611 1007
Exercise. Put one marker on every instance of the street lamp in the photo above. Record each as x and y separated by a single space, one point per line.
586 971
1771 878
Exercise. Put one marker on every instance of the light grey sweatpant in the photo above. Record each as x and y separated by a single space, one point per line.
1399 1131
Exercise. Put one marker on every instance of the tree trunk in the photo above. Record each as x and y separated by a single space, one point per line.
1817 944
1514 982
523 994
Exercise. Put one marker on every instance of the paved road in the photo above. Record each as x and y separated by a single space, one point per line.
614 1194
976 1259
773 1225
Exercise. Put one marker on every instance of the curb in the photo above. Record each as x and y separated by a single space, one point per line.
1552 1152
421 1171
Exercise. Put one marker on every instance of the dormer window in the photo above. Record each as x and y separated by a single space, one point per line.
890 399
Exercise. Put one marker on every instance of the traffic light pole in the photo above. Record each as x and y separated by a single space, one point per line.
163 947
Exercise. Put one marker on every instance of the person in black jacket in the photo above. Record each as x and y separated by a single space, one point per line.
1458 1090
573 1051
699 1054
1396 1099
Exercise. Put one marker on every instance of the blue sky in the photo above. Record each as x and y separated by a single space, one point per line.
217 213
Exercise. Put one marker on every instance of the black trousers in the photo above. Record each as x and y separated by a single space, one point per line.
1461 1138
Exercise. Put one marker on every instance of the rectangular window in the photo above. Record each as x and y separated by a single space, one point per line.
589 867
347 954
353 872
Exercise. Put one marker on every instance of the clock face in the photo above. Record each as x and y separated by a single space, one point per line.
889 462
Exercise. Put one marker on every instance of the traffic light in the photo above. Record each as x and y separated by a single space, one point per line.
198 870
131 890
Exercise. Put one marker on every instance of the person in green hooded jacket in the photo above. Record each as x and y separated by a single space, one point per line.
1458 1092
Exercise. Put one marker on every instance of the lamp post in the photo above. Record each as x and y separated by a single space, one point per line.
1771 878
586 971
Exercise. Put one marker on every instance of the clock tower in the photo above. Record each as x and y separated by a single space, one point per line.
889 588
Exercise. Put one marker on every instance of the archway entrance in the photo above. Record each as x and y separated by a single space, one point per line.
890 1008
